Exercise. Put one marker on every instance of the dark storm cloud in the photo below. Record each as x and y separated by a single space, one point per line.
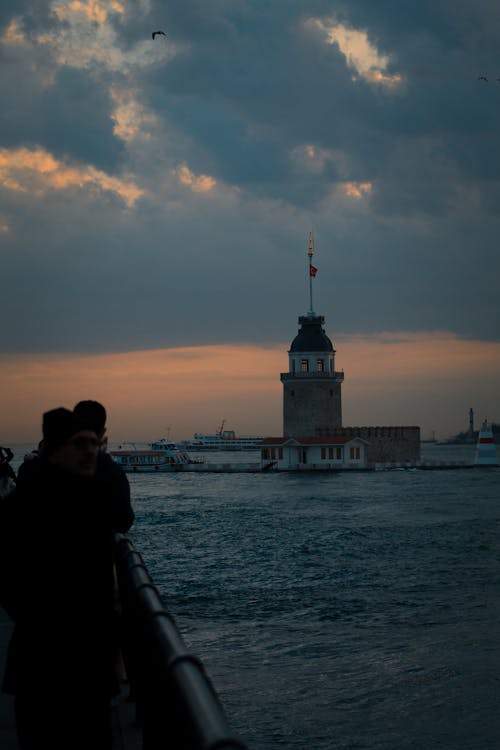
36 12
69 118
159 292
227 148
109 282
401 184
272 86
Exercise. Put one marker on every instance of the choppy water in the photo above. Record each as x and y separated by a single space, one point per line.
351 610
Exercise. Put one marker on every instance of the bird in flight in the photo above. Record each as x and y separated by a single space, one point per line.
157 32
482 78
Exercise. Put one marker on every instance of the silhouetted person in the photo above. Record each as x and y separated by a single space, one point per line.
117 488
32 455
56 582
115 481
114 478
7 473
95 414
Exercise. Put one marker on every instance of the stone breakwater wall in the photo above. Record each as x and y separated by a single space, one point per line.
386 444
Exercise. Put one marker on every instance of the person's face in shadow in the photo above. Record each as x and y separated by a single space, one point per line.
78 455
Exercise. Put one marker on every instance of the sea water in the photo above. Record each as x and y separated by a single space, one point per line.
352 610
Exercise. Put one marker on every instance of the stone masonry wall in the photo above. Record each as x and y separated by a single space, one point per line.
386 444
309 406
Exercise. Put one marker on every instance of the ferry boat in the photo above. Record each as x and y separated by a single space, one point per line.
162 455
222 440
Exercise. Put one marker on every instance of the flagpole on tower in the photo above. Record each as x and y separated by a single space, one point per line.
312 271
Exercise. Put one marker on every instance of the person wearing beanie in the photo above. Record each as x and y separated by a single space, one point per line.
56 583
70 442
94 413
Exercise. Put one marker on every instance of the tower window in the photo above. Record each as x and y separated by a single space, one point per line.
304 365
320 365
331 392
292 393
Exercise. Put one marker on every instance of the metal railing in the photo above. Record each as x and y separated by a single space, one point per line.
176 704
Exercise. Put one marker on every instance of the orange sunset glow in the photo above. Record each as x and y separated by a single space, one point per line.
429 380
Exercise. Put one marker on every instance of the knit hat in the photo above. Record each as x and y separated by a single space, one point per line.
92 412
58 426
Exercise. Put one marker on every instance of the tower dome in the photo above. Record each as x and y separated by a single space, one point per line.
311 336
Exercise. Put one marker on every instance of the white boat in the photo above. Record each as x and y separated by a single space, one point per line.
162 455
222 440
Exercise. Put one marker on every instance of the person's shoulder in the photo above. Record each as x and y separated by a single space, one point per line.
31 469
105 463
107 468
104 459
38 478
7 486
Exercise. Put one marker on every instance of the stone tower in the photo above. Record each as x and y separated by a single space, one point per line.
312 402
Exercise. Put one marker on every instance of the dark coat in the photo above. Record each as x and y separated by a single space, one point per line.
115 486
117 489
56 579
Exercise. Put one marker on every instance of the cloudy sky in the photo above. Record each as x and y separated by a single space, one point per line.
156 198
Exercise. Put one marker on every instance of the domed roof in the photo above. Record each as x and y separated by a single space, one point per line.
312 336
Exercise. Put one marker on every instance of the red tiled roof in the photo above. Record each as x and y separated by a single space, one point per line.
327 440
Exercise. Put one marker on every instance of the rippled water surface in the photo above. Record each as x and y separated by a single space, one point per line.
350 610
336 611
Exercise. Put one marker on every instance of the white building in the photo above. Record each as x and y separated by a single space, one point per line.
313 453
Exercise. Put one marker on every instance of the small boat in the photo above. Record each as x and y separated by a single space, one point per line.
162 455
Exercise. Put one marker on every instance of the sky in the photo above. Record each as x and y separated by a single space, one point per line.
156 199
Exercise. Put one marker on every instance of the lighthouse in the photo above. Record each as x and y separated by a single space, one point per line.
312 401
